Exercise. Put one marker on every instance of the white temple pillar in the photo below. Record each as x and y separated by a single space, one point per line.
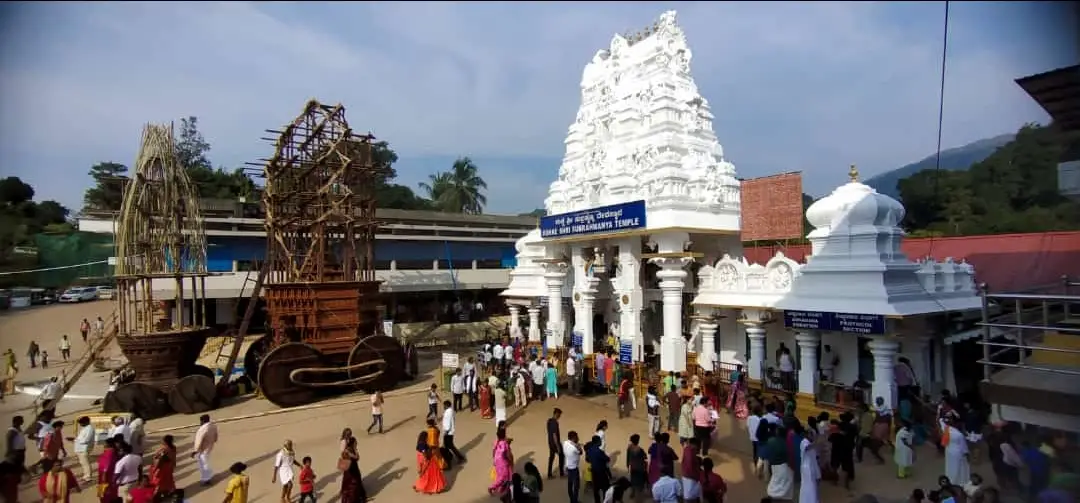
629 295
707 357
554 278
534 324
586 299
515 325
755 320
672 276
917 350
808 361
884 350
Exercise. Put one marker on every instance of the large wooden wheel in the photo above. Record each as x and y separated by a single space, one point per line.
193 394
254 356
378 347
145 399
275 369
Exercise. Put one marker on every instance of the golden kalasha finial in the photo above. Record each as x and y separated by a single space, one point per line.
853 174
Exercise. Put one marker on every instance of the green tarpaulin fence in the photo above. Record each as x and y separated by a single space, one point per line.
66 250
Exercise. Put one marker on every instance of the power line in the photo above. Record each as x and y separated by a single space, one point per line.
44 269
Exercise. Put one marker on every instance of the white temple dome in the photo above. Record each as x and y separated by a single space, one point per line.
853 205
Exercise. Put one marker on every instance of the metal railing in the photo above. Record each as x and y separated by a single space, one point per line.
1054 305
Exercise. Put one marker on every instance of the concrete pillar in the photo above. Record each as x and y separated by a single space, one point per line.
707 356
515 325
672 276
756 333
586 300
534 324
884 350
808 361
630 295
554 278
917 350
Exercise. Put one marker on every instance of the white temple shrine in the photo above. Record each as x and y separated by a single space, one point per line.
644 191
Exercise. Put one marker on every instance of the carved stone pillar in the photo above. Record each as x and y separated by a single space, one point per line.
884 350
586 300
755 319
515 325
554 277
808 361
534 324
672 275
707 356
630 295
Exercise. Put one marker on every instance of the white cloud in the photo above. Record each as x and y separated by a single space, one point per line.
811 86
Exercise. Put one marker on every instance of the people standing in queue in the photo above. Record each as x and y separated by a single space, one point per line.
555 445
205 438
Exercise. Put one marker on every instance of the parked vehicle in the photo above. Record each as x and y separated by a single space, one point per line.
79 294
42 296
104 292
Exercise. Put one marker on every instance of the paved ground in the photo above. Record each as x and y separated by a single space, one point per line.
388 460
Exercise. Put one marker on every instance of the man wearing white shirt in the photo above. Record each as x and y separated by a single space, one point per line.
127 470
50 393
84 445
449 428
829 361
770 415
537 374
572 450
572 373
471 388
753 421
457 388
120 427
787 370
205 438
497 353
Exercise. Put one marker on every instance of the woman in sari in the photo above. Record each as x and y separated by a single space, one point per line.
57 484
433 443
661 457
161 472
737 397
487 411
430 479
957 466
352 483
503 460
107 491
550 381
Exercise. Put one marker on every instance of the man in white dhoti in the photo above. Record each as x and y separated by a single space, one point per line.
782 481
498 395
809 472
205 438
957 466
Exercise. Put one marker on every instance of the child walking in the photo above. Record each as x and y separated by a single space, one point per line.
307 481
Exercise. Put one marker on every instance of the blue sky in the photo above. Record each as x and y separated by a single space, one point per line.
794 86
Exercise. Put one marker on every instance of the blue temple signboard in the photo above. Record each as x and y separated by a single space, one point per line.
603 220
576 340
626 353
868 324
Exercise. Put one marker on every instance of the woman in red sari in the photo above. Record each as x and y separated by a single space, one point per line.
57 484
161 472
107 491
432 433
487 410
737 397
431 479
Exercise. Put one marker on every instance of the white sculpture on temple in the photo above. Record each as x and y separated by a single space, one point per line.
643 131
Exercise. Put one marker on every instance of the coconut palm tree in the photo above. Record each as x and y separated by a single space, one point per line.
459 190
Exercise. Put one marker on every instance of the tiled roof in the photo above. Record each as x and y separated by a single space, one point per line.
1005 262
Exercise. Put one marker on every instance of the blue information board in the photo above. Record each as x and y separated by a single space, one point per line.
626 352
576 340
870 324
605 219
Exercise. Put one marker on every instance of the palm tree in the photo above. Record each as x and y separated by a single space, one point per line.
459 190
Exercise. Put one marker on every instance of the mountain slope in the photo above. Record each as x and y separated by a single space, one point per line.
959 158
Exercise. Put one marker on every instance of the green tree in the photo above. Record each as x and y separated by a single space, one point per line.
538 213
192 151
107 193
14 192
1012 190
459 190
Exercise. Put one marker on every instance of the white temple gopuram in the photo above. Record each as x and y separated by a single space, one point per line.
644 191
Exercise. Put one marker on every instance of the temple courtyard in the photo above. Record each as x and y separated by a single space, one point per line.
252 431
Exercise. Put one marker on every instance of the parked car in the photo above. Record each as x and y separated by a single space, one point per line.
104 292
79 294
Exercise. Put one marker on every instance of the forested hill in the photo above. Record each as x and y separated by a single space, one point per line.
959 158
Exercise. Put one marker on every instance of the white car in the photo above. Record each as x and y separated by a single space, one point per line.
81 294
104 292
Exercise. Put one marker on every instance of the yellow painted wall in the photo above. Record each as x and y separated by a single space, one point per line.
1057 358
